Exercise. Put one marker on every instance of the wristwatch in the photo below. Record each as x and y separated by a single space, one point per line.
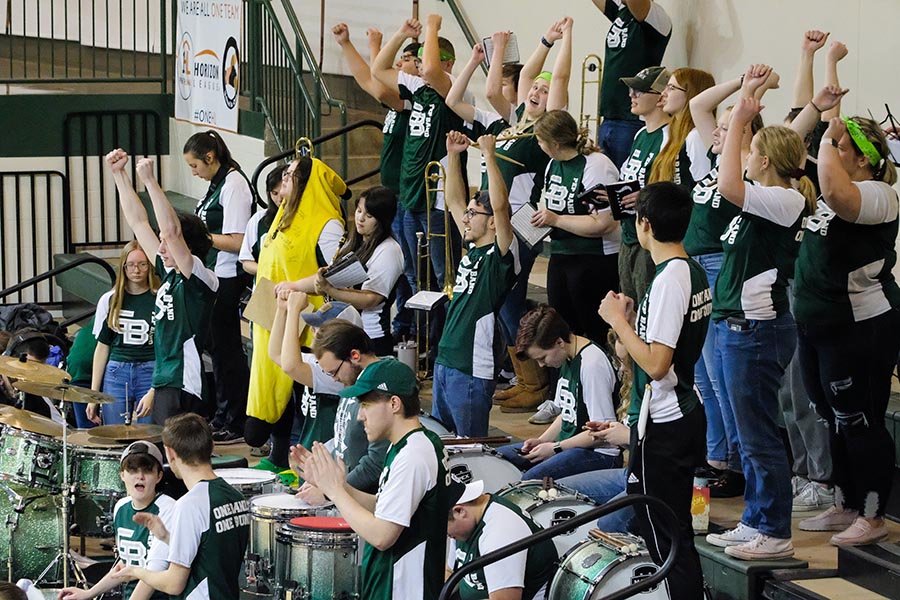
557 447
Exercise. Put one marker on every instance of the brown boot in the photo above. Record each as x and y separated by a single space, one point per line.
501 396
535 380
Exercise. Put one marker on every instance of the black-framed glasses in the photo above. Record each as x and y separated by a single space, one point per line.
672 86
334 373
471 212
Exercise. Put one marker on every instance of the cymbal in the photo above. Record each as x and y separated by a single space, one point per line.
127 433
31 422
31 370
83 438
64 391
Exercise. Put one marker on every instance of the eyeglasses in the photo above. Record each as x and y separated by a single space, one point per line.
672 86
334 373
639 93
137 266
287 173
407 57
471 212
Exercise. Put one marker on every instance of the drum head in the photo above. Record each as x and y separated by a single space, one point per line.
245 476
336 524
478 462
283 502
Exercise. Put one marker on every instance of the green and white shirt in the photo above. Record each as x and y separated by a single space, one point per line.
226 209
183 311
318 405
631 45
384 267
844 271
209 535
564 181
710 216
644 149
674 312
426 140
586 391
523 182
394 130
693 161
503 523
364 460
760 246
483 279
133 342
257 229
134 542
412 492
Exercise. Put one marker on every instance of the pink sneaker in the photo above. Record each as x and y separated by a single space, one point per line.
833 519
860 533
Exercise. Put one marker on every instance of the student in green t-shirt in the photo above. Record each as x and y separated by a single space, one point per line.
123 326
480 523
664 339
465 367
185 298
404 525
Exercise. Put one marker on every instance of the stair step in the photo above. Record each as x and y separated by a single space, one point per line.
875 567
816 585
733 579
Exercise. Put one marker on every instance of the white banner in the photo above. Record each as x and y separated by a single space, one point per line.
208 62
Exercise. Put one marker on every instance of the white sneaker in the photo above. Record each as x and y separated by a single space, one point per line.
814 496
833 519
762 547
733 537
546 413
798 482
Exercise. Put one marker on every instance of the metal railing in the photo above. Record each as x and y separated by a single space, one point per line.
86 41
670 527
466 27
46 276
33 227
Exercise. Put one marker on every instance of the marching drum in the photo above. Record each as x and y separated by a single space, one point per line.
32 532
98 487
432 424
597 567
476 461
250 482
32 459
267 514
316 559
552 506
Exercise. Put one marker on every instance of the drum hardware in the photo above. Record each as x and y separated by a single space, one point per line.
497 440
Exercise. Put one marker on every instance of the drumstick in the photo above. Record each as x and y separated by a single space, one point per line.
454 441
474 144
514 137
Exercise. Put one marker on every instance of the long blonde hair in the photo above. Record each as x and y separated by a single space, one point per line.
787 154
694 81
115 303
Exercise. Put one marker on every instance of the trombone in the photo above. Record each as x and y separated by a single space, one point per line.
435 176
591 64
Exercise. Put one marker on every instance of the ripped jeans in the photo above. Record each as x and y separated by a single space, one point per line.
847 374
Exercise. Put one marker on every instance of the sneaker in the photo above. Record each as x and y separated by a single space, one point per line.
733 537
267 465
798 482
833 519
261 451
729 485
762 547
709 473
860 533
814 496
546 413
506 377
226 436
215 426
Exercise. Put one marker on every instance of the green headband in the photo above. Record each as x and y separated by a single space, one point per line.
545 75
444 55
862 142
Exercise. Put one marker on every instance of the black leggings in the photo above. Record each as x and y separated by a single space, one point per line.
257 432
576 284
232 373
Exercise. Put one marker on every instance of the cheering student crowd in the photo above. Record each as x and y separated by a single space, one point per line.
745 288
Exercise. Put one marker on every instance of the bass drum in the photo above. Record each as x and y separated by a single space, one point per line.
596 568
432 424
32 532
475 462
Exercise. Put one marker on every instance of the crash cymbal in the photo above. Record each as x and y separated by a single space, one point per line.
128 433
30 370
83 438
31 422
64 391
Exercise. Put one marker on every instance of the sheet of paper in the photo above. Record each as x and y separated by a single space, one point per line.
353 274
261 307
425 300
510 54
528 233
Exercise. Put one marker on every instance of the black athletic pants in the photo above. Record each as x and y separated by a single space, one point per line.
576 284
230 368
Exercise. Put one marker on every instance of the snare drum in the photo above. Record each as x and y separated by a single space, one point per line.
596 568
432 424
250 482
31 459
551 510
477 461
267 514
316 557
97 488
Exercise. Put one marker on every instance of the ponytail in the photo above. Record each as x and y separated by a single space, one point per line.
584 144
806 187
202 143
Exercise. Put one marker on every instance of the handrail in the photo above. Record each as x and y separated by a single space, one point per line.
254 179
466 28
670 527
87 258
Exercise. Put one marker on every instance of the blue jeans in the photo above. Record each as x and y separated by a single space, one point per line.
127 382
514 306
721 433
568 462
751 364
462 402
615 137
602 487
417 221
404 323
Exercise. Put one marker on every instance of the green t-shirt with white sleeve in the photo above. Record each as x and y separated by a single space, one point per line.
132 340
710 216
226 210
644 149
135 545
394 130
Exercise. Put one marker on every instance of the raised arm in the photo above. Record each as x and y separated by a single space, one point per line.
383 66
826 99
169 226
842 196
432 71
498 193
558 97
455 192
132 208
362 74
836 53
454 97
291 358
813 41
639 8
703 107
731 175
535 63
493 86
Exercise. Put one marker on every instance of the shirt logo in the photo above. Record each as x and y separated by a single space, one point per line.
420 121
819 222
389 121
566 401
308 404
341 424
618 35
467 275
732 230
165 305
135 332
558 197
